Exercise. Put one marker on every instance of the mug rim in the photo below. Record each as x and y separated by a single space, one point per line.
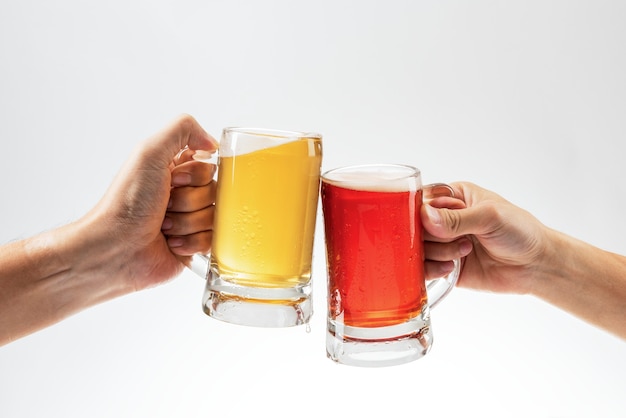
409 171
271 132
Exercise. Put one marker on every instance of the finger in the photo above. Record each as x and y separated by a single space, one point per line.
441 202
447 223
198 243
447 202
184 132
191 199
186 223
435 251
436 269
193 173
428 237
434 190
188 154
184 155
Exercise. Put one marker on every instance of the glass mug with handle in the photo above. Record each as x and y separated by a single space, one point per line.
378 300
258 272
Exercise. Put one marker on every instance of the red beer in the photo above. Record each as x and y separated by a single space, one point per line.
374 250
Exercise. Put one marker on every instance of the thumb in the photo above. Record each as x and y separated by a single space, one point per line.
183 132
453 223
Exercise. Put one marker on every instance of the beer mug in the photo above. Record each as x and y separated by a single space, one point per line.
378 300
258 272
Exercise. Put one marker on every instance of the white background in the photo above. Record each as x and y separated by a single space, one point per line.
527 98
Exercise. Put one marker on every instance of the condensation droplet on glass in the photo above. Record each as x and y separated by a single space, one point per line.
335 303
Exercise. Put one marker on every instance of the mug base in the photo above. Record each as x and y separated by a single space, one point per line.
257 307
378 347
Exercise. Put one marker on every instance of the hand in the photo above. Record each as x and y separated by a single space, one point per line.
159 210
188 221
501 243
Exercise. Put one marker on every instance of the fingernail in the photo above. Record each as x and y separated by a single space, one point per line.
181 179
167 224
202 155
433 214
465 247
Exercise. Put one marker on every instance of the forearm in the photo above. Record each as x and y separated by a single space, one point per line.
49 277
586 281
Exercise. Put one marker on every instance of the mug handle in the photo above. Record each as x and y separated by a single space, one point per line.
439 288
200 262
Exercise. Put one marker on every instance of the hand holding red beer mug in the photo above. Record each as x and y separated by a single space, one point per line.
378 300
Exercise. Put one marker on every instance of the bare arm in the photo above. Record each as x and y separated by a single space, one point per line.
585 281
49 277
512 252
157 212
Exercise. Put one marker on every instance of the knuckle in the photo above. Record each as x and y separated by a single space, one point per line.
453 220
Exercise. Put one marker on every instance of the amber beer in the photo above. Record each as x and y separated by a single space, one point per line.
378 303
264 224
265 215
374 250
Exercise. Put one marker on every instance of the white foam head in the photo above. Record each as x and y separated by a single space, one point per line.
375 177
238 141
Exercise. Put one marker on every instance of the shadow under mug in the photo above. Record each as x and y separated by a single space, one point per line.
378 300
258 272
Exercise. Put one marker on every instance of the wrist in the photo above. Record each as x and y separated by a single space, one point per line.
553 269
585 281
83 268
98 263
54 275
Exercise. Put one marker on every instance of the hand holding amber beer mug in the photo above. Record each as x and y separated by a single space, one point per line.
378 301
259 268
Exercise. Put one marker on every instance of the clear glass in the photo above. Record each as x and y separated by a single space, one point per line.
378 301
265 213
